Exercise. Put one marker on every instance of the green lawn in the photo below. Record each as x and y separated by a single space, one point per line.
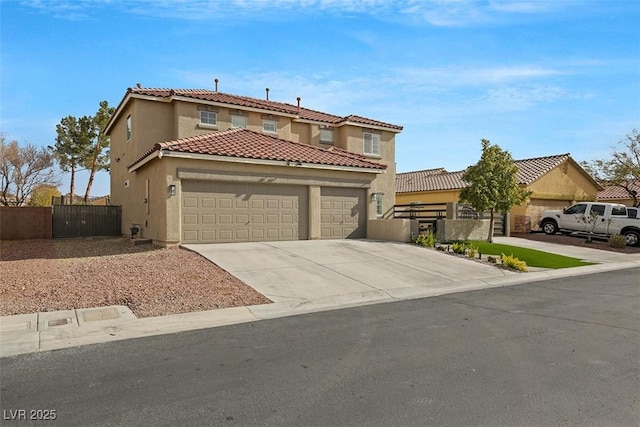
532 257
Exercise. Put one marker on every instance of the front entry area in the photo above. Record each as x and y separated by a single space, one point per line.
224 212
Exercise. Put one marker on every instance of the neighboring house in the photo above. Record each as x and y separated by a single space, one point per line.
616 194
556 182
201 166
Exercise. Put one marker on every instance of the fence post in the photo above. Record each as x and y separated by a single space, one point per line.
452 210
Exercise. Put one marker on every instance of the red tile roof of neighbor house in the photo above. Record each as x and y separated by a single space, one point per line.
261 104
247 144
616 192
529 171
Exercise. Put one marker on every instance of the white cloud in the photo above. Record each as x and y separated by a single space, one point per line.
470 75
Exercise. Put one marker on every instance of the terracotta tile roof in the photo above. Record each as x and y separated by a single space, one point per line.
529 171
262 104
616 192
247 144
407 181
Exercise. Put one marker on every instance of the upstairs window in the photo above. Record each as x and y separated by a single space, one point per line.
326 136
208 118
238 121
128 127
372 144
270 126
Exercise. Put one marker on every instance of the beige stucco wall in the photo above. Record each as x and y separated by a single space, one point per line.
392 230
565 182
462 229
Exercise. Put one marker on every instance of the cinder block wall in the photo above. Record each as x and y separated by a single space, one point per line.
19 223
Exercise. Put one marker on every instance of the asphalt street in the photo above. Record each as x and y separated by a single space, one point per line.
558 352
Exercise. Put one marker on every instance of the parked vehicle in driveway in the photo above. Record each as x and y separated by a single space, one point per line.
633 212
593 218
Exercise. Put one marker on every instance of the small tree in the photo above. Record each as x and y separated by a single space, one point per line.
22 170
622 169
492 184
42 195
98 158
73 145
590 223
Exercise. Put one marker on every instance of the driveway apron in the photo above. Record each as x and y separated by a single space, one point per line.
309 270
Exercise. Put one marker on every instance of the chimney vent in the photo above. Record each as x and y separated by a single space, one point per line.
216 81
298 103
138 85
267 89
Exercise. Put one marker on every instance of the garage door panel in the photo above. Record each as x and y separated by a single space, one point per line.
190 202
225 203
208 219
343 213
228 212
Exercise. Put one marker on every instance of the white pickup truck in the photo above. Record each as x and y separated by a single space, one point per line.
597 219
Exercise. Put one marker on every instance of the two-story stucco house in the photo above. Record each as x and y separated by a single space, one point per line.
201 166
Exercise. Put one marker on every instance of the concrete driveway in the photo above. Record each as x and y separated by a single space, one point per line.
304 270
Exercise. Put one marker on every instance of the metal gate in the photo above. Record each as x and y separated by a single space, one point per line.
86 220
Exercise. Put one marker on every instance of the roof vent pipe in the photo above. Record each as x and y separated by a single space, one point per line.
216 81
298 104
267 89
138 85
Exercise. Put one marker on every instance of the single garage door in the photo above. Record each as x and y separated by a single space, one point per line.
343 213
217 212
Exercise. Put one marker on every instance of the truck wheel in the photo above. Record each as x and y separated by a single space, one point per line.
632 237
549 227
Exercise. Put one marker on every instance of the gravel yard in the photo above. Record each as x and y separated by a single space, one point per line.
59 274
576 241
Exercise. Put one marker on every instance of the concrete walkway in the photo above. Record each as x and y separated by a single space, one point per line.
300 277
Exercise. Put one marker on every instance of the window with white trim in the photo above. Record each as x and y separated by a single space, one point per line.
270 126
377 199
326 136
128 127
238 121
372 144
208 117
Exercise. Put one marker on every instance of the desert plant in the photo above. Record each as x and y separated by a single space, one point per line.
459 247
513 262
472 250
617 241
427 239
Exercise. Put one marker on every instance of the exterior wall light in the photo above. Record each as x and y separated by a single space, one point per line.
172 190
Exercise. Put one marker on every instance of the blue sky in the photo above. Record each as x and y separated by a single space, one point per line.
537 78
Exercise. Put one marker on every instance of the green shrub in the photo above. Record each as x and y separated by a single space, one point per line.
617 241
513 262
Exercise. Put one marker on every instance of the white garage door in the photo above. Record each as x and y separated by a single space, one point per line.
216 212
343 213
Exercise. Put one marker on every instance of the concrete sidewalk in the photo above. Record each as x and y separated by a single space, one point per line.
300 277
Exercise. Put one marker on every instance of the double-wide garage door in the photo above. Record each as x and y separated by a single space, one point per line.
215 212
240 212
